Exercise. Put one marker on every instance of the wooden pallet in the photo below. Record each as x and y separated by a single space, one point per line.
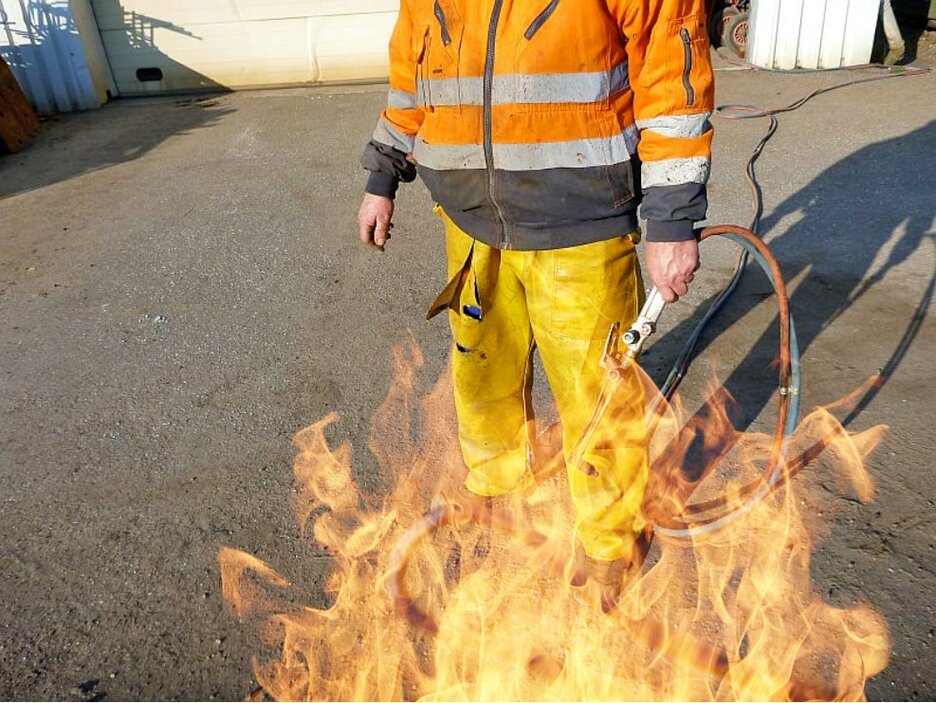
18 120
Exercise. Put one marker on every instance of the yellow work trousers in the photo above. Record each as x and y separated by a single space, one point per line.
505 303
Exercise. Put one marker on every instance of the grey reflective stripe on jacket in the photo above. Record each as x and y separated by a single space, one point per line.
674 172
401 99
681 126
526 88
386 133
575 153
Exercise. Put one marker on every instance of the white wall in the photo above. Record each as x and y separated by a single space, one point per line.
244 43
812 33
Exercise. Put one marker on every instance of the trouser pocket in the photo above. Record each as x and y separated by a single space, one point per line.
459 251
450 297
594 286
473 270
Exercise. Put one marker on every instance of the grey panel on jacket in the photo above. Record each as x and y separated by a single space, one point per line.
545 209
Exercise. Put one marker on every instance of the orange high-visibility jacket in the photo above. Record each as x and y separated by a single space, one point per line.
539 124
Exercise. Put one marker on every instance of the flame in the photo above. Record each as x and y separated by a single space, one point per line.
439 604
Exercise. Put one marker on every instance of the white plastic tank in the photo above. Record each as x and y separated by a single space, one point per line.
788 34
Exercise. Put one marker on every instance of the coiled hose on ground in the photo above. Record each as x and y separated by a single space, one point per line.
704 517
701 518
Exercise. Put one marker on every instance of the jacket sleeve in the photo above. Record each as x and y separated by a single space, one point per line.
671 76
385 154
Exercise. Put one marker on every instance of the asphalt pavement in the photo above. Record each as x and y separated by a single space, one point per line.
182 290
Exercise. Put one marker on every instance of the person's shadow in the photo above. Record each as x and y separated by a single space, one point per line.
856 221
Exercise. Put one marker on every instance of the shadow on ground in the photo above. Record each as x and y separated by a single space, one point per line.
81 143
853 223
913 16
113 139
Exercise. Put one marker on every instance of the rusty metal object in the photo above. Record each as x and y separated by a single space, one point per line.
18 120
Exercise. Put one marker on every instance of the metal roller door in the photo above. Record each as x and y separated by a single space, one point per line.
156 46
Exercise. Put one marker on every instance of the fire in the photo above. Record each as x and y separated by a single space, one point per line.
475 605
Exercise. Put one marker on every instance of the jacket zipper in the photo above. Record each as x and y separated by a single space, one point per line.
540 19
687 66
487 90
443 27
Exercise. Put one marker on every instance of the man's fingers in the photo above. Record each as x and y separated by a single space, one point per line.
374 220
374 231
672 267
382 231
367 234
667 294
365 230
671 292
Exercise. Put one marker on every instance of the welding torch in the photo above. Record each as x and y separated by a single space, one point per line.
620 352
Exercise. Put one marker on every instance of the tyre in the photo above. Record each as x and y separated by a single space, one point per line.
736 33
718 22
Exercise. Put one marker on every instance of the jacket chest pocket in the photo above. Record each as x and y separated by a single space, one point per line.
436 48
695 47
683 44
562 60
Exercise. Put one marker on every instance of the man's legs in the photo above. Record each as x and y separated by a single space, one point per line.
574 295
491 365
567 299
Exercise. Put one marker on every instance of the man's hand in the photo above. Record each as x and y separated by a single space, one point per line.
374 220
671 266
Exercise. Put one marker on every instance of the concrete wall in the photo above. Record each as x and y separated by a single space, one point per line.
243 43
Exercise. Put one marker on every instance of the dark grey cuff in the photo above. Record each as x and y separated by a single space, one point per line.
671 211
382 184
388 167
670 231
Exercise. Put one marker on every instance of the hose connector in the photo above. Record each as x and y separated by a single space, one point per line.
645 325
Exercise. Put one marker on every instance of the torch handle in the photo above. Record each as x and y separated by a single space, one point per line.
645 324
